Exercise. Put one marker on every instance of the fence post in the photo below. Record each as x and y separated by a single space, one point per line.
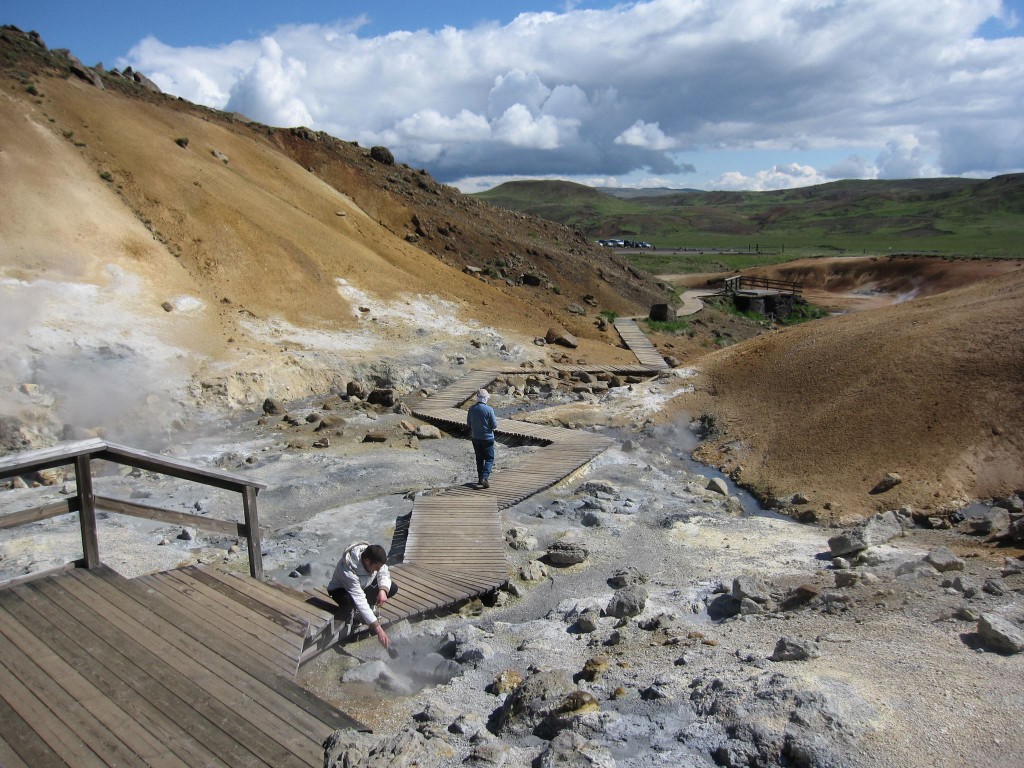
87 510
252 532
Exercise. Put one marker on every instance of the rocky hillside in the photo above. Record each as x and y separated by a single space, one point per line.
154 252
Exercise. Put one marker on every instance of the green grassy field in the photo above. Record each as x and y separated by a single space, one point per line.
952 217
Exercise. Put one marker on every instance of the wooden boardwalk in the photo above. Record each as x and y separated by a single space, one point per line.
639 344
452 547
99 670
196 667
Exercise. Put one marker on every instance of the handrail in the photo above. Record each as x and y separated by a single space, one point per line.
736 283
82 453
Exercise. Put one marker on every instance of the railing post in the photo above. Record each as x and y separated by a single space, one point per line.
252 532
87 510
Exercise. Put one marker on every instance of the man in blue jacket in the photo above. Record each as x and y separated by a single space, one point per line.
482 423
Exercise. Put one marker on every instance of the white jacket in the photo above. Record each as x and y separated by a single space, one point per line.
351 576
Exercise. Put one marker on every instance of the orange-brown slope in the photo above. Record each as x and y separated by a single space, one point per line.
258 229
932 389
270 219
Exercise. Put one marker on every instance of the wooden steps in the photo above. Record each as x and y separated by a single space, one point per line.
639 344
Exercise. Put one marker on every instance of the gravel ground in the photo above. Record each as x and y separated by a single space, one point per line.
897 679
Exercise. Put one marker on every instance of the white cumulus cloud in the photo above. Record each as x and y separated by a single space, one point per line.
647 135
646 88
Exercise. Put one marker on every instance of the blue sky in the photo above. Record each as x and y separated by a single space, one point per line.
713 94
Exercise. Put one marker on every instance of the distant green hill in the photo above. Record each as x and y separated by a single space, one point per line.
947 216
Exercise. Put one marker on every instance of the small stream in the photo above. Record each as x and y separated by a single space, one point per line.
679 441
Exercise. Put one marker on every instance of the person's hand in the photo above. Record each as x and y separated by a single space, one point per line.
382 597
382 636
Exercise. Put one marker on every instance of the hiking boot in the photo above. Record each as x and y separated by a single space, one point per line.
484 484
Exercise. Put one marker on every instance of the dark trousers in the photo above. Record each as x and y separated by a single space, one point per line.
347 608
484 450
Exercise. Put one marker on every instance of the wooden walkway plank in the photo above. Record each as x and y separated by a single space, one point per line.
50 728
269 631
239 684
280 595
159 584
133 688
236 613
91 715
258 681
261 603
11 759
150 642
21 745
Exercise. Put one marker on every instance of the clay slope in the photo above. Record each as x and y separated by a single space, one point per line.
932 389
155 246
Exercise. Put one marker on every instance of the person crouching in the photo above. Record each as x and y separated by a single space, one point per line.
360 583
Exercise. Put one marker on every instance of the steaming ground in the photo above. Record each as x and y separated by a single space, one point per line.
681 678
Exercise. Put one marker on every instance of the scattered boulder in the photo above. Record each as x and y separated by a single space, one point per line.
533 571
382 397
567 553
331 422
576 704
799 596
382 155
887 483
627 602
467 724
943 560
348 748
571 750
428 432
1010 503
792 649
627 577
717 485
587 620
563 338
879 529
847 578
520 538
995 521
999 634
752 588
537 697
375 437
506 682
1017 530
594 668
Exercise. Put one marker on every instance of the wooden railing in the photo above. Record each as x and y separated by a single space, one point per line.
739 282
81 455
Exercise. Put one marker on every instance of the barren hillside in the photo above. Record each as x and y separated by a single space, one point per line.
169 254
932 389
159 258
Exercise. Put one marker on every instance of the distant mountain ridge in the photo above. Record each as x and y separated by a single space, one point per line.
630 193
946 215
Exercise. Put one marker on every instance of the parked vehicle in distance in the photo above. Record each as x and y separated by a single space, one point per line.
624 244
